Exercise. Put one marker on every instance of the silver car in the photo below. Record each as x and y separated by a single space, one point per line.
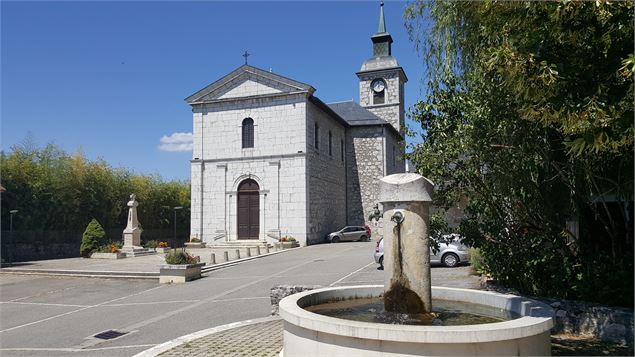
349 233
450 255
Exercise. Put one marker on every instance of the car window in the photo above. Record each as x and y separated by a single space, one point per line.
347 229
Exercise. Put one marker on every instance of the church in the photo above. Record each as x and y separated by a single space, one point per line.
270 159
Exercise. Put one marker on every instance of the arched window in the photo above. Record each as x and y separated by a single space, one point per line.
248 133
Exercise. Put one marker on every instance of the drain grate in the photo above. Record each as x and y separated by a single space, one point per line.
109 335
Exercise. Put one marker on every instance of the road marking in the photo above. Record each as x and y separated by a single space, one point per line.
246 298
34 349
355 272
40 303
152 303
82 309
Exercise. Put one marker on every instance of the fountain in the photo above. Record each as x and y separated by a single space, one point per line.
412 323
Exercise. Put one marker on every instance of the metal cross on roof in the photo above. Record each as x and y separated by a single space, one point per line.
246 54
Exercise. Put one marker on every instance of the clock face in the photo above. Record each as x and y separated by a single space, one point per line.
378 85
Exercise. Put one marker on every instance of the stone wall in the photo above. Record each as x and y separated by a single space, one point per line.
607 323
364 167
325 176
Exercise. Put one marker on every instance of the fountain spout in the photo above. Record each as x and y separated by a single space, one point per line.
406 199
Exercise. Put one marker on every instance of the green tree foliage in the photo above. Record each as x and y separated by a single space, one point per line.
529 114
57 191
92 239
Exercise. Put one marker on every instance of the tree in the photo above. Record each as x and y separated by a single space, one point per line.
93 238
529 114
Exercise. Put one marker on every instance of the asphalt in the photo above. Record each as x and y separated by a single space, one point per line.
59 315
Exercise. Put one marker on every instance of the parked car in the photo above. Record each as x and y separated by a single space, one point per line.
350 233
450 255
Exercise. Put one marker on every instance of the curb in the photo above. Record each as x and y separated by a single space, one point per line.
166 346
124 274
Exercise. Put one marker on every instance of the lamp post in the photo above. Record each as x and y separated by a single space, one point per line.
11 213
175 209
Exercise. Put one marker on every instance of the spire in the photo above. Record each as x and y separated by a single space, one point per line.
381 39
382 22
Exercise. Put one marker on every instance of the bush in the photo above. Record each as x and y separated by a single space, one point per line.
195 240
151 244
110 248
179 257
163 244
476 261
92 239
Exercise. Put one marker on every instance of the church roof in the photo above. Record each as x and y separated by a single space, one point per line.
355 114
284 83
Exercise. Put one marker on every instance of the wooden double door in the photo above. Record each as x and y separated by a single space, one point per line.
248 210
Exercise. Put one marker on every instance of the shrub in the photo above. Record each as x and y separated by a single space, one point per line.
151 244
163 244
92 239
476 261
195 240
179 257
287 239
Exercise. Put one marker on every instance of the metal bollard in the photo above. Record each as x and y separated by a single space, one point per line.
249 251
237 253
257 250
212 259
226 254
267 248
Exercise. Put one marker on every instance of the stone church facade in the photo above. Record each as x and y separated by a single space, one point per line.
270 159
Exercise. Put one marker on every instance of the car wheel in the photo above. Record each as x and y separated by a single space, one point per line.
450 260
363 238
335 239
381 263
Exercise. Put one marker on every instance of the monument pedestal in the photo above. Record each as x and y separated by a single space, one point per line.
132 234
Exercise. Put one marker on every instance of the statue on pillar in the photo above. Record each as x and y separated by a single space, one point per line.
132 233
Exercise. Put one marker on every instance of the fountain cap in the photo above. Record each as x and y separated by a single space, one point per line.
408 187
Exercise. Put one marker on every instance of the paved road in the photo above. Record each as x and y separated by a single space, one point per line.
44 316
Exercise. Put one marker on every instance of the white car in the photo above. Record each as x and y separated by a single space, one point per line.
450 255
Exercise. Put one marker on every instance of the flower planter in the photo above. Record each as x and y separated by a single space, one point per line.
162 250
118 255
287 245
195 244
179 273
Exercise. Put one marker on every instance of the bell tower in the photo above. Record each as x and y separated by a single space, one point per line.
381 79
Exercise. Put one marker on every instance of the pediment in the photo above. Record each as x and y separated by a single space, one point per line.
247 81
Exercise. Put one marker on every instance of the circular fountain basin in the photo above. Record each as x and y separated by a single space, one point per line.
309 334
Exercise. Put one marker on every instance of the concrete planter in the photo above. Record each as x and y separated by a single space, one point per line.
179 273
162 250
195 244
118 255
307 334
287 245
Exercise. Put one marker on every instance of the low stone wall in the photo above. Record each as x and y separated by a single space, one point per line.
607 323
279 292
25 251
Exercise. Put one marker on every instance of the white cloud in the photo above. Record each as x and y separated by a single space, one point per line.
176 142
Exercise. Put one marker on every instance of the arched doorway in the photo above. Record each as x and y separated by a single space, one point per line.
248 210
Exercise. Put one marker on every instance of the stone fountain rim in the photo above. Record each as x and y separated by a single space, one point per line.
537 319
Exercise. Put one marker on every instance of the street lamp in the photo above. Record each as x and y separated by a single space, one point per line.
175 209
11 213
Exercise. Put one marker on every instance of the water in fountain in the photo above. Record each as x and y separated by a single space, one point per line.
445 313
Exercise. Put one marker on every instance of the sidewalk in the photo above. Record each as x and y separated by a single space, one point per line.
142 267
260 337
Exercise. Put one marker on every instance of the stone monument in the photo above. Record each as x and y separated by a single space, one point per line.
132 232
406 200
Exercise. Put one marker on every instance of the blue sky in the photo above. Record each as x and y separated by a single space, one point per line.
110 78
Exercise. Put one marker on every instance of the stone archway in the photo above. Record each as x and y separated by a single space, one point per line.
248 210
